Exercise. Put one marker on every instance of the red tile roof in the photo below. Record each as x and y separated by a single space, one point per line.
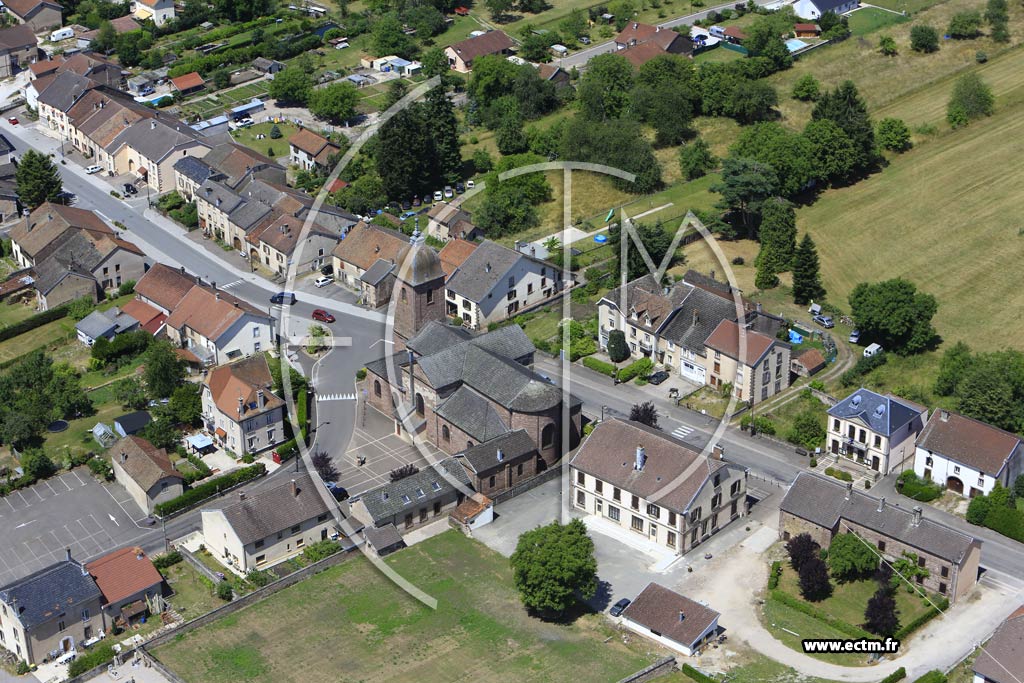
726 338
733 32
189 81
164 286
806 27
812 360
968 441
240 382
454 254
150 319
640 54
123 574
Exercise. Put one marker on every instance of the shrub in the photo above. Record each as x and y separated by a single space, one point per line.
686 668
897 675
738 261
774 574
599 366
35 321
806 88
1007 521
639 368
101 468
813 463
166 560
126 288
893 134
924 38
972 98
763 425
981 57
941 603
210 488
618 351
258 578
361 374
933 676
100 654
225 592
861 368
320 550
917 488
22 668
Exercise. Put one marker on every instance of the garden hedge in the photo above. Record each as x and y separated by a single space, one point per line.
897 675
166 560
789 601
101 653
210 488
773 576
638 368
933 676
941 604
697 675
599 366
35 321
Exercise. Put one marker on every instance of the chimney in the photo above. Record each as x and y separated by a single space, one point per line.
501 456
67 553
241 495
696 316
635 26
241 406
139 554
237 305
152 125
944 416
641 459
183 270
917 515
712 274
261 399
759 307
881 504
487 267
216 295
717 452
295 489
682 617
849 489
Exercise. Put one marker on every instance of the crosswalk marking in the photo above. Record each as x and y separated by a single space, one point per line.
231 284
682 431
336 397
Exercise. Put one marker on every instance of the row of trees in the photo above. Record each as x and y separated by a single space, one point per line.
988 386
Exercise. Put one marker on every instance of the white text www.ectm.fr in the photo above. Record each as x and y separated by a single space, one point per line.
834 645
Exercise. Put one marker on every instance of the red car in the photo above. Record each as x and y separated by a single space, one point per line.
13 121
323 316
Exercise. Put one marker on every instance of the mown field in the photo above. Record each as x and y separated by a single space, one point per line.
351 623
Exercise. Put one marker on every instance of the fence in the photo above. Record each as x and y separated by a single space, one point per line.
662 667
735 48
198 564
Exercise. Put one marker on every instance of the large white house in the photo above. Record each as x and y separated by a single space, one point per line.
217 327
239 407
813 9
966 456
876 431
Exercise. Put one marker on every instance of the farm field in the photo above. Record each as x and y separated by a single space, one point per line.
960 241
351 619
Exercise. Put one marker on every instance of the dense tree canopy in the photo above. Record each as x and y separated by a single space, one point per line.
807 285
335 102
655 239
553 566
972 99
34 393
37 179
845 107
850 557
619 144
604 89
745 185
894 314
291 85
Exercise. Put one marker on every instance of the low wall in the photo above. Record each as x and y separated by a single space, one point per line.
531 483
660 668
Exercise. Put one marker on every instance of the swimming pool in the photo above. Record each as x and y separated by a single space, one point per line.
794 44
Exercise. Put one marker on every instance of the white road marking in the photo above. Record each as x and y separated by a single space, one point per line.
22 496
231 284
25 524
682 432
114 520
336 397
79 478
51 488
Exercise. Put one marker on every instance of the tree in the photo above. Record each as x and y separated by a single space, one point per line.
645 413
997 16
275 132
850 557
324 466
894 314
534 46
221 78
390 39
604 89
186 403
435 63
162 433
880 616
906 569
510 138
954 366
498 8
482 161
696 159
37 179
335 102
445 134
971 99
845 107
618 351
807 285
426 19
966 24
553 566
617 143
764 39
990 389
36 464
893 135
887 46
801 549
130 393
291 85
404 154
572 27
397 89
833 154
104 40
744 186
752 101
653 236
924 38
814 583
778 235
807 430
163 369
765 277
806 88
791 155
978 510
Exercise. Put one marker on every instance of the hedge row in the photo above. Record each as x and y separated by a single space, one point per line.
839 474
933 676
166 560
941 604
101 653
773 576
210 488
35 321
697 675
599 366
638 368
789 601
897 675
913 486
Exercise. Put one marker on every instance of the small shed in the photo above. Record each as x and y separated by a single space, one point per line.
671 619
384 540
104 435
462 11
808 363
132 423
806 30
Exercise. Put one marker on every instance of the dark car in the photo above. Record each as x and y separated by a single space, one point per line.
658 377
460 188
338 492
406 205
618 607
283 298
416 201
130 189
66 198
323 316
327 269
825 321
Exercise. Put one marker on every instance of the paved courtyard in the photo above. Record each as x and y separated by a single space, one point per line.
374 440
72 510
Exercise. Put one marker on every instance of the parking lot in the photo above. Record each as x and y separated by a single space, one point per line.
73 511
383 451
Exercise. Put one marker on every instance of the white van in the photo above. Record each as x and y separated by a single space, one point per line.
62 34
717 31
872 350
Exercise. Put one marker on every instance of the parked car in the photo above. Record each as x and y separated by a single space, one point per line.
322 316
416 201
459 188
406 205
438 196
93 169
283 298
585 40
130 189
873 350
470 184
448 192
327 269
13 120
825 321
337 491
619 607
407 214
658 377
66 198
323 281
855 336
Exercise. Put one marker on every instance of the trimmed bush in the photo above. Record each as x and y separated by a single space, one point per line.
210 488
774 574
913 486
320 550
838 474
166 560
897 675
100 654
1007 521
697 675
638 368
789 601
225 592
599 366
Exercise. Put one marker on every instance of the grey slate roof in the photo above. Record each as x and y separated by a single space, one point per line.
488 265
65 89
472 413
483 457
194 168
388 500
1002 659
382 538
823 501
154 139
697 317
97 324
882 414
436 336
50 272
50 592
275 509
380 269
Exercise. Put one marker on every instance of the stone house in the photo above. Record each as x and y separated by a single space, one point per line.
145 472
38 15
18 48
759 373
310 151
415 499
129 582
501 463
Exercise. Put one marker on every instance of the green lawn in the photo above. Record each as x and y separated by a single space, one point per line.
351 623
908 6
193 593
41 336
718 54
247 137
870 19
11 313
781 619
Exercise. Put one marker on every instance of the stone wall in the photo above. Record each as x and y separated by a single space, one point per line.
660 668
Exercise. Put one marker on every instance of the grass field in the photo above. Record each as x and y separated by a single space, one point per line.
870 19
351 623
908 6
247 137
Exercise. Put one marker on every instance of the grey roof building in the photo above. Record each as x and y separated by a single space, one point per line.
104 324
882 414
398 502
1002 659
483 270
485 458
276 509
155 139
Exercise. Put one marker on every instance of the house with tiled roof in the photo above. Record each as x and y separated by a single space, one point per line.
130 584
496 283
966 455
86 264
18 49
145 471
639 43
228 163
363 246
38 15
51 612
163 287
1002 658
104 325
150 319
310 151
259 530
671 619
500 463
755 364
454 254
149 148
96 68
813 9
808 363
653 484
875 430
35 237
45 67
823 507
461 54
277 245
218 327
469 390
415 499
448 221
239 407
188 83
159 11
